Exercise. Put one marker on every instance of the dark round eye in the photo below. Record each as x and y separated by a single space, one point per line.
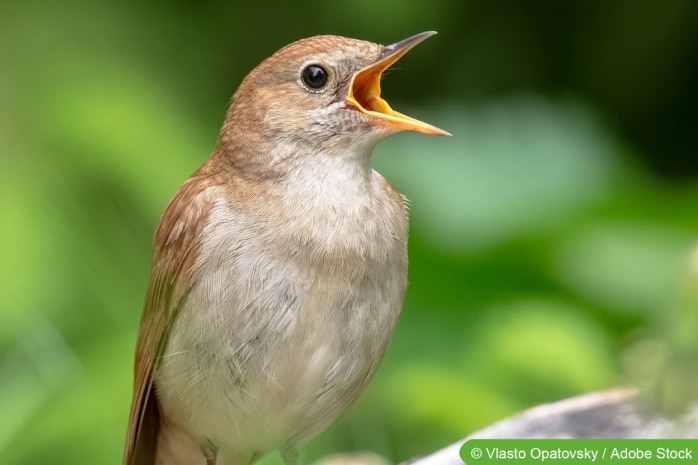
314 76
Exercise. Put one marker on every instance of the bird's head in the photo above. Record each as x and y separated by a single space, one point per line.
319 94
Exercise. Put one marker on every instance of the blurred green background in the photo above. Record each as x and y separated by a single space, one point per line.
551 235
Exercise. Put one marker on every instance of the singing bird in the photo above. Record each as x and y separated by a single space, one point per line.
278 268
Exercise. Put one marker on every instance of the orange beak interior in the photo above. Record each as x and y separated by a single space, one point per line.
365 91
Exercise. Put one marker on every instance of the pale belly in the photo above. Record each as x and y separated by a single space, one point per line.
271 357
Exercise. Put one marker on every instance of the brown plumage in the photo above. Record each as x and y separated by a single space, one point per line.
278 268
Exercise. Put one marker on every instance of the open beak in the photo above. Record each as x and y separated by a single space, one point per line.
365 91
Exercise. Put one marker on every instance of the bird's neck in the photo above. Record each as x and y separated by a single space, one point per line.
329 179
299 165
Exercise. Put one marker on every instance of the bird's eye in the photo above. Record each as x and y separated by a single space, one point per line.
314 76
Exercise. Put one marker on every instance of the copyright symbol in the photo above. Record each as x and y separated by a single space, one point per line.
476 453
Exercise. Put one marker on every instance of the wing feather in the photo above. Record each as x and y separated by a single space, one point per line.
174 253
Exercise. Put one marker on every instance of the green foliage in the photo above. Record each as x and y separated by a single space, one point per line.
545 262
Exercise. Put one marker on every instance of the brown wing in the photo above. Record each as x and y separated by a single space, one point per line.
174 253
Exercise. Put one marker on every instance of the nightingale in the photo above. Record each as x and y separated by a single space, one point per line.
278 268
